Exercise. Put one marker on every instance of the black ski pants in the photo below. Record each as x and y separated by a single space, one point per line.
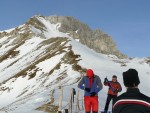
109 98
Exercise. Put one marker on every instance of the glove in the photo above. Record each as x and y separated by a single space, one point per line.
105 80
87 89
116 91
93 94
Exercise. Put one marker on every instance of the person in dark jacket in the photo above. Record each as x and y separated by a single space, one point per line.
91 84
112 91
132 101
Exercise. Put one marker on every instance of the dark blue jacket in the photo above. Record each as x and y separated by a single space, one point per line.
96 85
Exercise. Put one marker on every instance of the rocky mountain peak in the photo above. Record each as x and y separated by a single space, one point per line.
94 39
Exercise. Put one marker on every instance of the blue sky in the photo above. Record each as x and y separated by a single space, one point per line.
127 21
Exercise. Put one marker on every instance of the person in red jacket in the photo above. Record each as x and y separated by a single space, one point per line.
114 88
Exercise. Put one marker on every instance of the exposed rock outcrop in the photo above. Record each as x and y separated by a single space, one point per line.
95 39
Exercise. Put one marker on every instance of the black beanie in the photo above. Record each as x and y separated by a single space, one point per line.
131 78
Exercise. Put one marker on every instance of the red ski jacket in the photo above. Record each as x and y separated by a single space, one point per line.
116 86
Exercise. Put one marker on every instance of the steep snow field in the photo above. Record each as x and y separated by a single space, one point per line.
105 66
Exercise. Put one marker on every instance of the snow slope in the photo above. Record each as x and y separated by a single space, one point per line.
31 72
105 66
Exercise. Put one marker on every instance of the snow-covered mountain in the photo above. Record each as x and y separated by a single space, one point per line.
41 55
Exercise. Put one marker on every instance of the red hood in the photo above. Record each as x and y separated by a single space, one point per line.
89 73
